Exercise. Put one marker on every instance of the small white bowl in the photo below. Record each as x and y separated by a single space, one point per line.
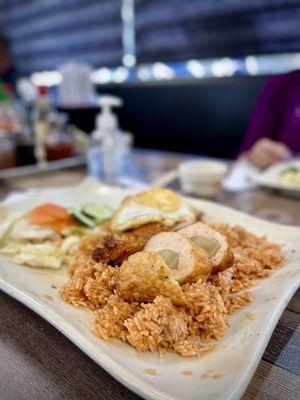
202 178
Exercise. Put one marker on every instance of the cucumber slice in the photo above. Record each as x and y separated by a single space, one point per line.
80 217
97 212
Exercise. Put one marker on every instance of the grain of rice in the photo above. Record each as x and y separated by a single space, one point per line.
187 373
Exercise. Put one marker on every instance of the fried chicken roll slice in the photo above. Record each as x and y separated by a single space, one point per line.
117 247
211 241
187 261
146 275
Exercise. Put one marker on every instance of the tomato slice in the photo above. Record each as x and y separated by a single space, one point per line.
51 214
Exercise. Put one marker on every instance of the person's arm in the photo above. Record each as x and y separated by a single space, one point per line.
266 118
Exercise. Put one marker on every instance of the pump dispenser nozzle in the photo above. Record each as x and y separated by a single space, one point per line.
110 101
107 121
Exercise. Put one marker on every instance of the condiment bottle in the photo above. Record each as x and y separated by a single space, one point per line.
41 125
59 144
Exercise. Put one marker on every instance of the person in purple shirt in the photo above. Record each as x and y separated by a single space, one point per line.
273 133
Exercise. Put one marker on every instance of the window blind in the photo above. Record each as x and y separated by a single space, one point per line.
169 30
46 33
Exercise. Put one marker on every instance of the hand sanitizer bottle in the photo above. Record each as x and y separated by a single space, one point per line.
109 146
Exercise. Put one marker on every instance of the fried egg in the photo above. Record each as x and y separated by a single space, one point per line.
154 205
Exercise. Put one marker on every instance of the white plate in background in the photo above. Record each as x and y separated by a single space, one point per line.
271 178
239 352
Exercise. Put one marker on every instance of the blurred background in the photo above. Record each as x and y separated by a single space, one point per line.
188 71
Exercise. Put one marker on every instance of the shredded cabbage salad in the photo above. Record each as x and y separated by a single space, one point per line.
42 244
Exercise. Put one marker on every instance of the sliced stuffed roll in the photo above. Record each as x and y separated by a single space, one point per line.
211 241
187 261
146 275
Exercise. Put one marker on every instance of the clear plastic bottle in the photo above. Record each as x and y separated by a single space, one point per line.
109 147
94 160
41 125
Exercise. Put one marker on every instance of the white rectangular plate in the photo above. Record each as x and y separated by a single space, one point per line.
238 354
